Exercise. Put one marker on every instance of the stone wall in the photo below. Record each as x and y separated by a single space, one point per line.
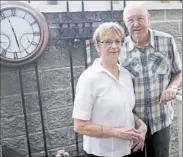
56 93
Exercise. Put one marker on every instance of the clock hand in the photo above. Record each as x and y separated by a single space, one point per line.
14 34
28 39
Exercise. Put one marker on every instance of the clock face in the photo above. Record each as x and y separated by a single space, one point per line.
22 34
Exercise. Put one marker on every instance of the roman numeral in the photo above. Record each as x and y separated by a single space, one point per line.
34 43
36 33
26 51
33 23
15 55
13 12
2 15
24 15
3 53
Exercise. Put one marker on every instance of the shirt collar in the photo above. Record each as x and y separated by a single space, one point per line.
98 67
131 43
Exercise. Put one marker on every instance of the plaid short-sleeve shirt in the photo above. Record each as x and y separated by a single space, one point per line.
151 69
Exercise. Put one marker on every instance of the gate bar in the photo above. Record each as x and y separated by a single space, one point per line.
41 110
24 111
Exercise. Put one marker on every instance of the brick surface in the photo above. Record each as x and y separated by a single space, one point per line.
10 84
168 27
36 142
12 126
157 14
11 106
19 144
59 118
57 138
174 14
174 145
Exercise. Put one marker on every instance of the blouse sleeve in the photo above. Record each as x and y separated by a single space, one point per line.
84 99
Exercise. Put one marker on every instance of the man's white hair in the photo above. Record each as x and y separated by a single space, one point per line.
140 5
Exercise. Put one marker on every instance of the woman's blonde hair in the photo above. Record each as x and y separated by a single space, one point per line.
106 28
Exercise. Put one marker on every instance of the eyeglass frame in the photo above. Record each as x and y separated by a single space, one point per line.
139 19
109 42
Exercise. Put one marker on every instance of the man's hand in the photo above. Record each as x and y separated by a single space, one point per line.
167 95
142 128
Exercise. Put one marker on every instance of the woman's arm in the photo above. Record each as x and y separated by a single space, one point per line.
89 129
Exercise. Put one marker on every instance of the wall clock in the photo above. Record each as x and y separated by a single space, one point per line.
24 34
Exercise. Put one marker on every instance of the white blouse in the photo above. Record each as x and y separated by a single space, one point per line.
104 100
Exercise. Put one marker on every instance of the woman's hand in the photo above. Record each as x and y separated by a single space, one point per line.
142 128
129 134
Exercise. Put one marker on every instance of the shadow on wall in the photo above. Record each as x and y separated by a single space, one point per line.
9 152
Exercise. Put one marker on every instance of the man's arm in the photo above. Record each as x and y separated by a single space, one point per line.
176 80
142 128
170 93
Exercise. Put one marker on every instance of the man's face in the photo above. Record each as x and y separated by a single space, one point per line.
137 24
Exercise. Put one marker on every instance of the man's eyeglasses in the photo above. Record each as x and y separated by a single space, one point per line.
136 19
110 42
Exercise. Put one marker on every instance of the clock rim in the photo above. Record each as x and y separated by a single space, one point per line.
44 38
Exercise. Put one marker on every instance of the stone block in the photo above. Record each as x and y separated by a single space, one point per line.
54 57
174 145
3 69
54 79
12 126
32 102
77 73
68 96
178 41
34 122
59 118
29 81
168 27
54 99
174 130
36 142
173 14
10 83
57 78
78 53
157 15
11 106
72 136
40 154
57 138
19 144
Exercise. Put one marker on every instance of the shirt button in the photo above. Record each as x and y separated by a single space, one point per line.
144 63
146 79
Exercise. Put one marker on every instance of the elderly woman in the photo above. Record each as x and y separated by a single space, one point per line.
104 100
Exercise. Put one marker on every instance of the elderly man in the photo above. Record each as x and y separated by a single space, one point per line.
152 59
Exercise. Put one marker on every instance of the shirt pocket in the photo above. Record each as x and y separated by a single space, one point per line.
132 65
158 62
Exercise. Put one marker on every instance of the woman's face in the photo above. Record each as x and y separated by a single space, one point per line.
109 47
